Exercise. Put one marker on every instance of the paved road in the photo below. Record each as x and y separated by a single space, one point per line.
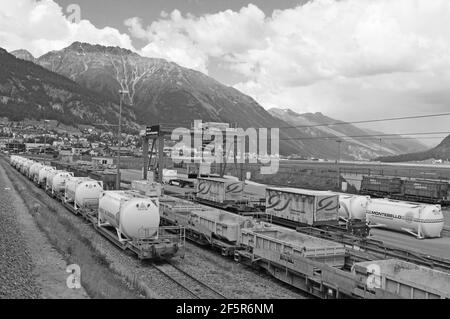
439 247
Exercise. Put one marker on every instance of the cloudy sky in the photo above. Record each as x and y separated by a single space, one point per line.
350 59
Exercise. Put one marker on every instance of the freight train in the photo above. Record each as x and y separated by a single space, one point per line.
417 190
353 214
126 218
309 263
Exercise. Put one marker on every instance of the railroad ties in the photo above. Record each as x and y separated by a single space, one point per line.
194 286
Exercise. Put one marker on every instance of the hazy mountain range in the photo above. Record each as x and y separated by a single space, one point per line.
440 152
354 145
80 84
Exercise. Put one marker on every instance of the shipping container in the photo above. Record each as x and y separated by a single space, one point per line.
108 178
428 190
381 185
283 246
407 280
220 190
303 206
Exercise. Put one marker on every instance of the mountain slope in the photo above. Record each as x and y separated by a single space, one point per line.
30 91
355 147
440 152
157 89
161 91
23 55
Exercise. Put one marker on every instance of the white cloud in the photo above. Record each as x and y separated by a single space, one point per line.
41 26
350 58
191 41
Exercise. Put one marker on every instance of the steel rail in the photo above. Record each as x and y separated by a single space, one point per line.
192 285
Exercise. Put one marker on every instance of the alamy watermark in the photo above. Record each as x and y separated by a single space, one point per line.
374 278
74 279
208 143
74 13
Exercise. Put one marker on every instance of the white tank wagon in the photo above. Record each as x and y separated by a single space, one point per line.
13 160
133 216
25 168
417 219
43 174
87 194
20 163
132 221
59 182
34 171
284 246
17 160
353 206
70 187
49 180
302 206
147 188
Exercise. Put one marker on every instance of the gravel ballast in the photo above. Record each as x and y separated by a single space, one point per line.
30 267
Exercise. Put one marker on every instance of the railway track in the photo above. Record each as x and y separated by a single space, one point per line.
195 287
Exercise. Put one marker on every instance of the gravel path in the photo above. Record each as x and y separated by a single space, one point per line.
29 266
16 266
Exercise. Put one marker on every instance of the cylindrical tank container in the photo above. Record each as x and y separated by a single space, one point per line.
17 161
59 181
50 175
14 160
20 163
43 174
353 206
71 186
420 220
26 167
34 171
134 216
87 194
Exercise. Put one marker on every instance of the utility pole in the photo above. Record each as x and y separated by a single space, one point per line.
119 138
338 164
380 159
45 137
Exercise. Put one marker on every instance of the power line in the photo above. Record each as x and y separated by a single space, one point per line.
370 121
398 138
397 135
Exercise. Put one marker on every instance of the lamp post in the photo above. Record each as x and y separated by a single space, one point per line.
121 93
338 162
45 137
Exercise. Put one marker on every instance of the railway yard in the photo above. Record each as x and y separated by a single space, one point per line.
213 240
106 271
